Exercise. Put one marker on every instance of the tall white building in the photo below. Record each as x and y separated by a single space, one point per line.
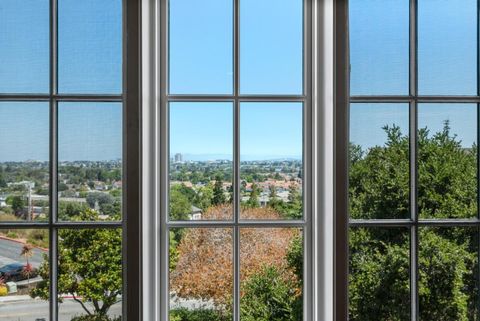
178 158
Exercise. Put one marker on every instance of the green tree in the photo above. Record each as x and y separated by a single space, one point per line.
295 202
180 206
253 200
272 195
89 267
379 283
17 203
99 198
3 181
203 197
69 210
230 194
447 176
379 258
218 194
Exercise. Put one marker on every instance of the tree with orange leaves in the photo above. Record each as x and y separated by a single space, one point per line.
204 270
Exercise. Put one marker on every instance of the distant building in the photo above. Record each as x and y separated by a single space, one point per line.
3 200
196 214
100 186
178 158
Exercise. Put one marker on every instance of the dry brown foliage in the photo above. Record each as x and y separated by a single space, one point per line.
205 270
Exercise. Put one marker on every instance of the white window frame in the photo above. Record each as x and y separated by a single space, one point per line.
319 290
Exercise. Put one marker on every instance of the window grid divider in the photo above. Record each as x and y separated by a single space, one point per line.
53 235
478 156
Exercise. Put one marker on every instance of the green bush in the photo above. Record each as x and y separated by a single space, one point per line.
271 296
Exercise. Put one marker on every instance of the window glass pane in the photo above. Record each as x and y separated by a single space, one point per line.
90 46
23 275
24 39
90 160
271 47
379 44
447 47
201 170
201 274
90 271
271 160
24 161
379 175
379 280
447 160
201 47
271 274
448 272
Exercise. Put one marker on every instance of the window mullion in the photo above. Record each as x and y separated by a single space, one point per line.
478 157
236 160
413 129
53 239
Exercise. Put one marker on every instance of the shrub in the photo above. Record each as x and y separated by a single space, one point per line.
271 294
12 235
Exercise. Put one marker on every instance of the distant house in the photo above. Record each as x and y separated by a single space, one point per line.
3 201
263 200
100 186
117 184
196 214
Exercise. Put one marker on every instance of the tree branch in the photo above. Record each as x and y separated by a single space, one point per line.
95 304
82 304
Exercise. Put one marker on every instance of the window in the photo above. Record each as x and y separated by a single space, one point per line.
234 159
413 160
62 170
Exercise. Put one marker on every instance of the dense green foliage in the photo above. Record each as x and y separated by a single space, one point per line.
180 205
270 296
293 209
17 203
379 258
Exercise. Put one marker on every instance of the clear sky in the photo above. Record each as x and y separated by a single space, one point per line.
447 65
89 62
201 63
267 130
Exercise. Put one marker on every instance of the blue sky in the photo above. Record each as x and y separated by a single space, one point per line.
89 62
447 49
201 62
192 124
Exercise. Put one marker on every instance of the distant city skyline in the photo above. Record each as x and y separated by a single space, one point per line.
226 157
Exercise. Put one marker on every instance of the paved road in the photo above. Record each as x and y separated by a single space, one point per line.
31 310
10 252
